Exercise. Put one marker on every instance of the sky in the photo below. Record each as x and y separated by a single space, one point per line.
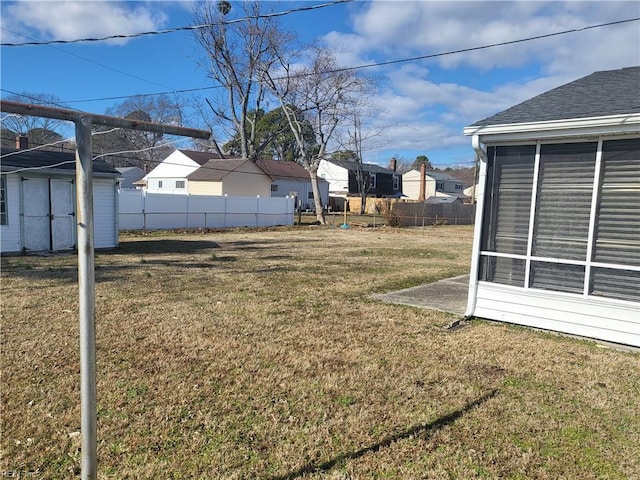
420 106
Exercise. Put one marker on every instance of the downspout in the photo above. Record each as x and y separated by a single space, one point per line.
477 230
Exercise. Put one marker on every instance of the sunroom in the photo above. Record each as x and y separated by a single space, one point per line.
557 240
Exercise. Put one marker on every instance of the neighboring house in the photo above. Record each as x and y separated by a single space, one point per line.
203 173
341 175
170 176
557 238
472 193
38 207
130 175
230 176
291 179
436 184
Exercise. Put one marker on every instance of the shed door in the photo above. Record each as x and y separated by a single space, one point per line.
48 214
35 200
62 215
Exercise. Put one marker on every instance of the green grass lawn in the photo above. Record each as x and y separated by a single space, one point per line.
245 354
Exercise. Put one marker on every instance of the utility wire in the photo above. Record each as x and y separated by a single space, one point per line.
179 29
92 61
379 64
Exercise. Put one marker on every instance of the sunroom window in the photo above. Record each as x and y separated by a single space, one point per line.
544 229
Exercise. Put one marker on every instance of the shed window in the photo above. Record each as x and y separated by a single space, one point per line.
3 200
566 218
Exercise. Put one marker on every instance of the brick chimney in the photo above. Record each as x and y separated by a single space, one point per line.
423 182
22 142
393 164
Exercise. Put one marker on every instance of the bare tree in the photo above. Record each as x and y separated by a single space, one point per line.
319 94
40 131
238 54
133 147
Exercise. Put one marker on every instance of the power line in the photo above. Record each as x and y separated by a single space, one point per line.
390 62
92 61
178 29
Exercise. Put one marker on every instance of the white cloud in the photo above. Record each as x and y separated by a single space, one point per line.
432 100
69 20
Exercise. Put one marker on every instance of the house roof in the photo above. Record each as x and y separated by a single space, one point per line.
438 176
366 167
278 170
605 93
130 175
215 170
47 160
200 157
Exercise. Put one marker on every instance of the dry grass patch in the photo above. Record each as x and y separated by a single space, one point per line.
258 354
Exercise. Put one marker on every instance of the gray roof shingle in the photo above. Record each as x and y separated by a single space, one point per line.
610 92
17 160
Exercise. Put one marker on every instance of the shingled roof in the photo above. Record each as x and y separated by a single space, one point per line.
610 92
47 160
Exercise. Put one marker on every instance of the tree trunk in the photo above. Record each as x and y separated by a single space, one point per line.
317 198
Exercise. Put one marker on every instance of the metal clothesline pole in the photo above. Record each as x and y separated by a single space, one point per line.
86 254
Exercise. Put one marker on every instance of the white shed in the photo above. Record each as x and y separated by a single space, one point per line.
557 239
38 202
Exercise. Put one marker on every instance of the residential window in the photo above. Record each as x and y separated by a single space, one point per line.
274 187
180 184
459 186
310 196
159 183
3 200
396 182
565 218
372 180
440 186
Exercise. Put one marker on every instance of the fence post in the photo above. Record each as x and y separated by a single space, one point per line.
258 211
224 213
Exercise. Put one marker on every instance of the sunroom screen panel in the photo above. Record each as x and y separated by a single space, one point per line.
509 187
557 276
617 234
563 201
620 284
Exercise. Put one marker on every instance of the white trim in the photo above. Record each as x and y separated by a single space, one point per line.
532 215
613 266
597 174
595 317
571 127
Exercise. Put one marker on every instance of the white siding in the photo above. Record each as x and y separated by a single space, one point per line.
338 177
104 213
175 167
10 234
610 320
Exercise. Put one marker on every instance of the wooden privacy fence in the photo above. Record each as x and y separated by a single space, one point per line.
403 214
140 210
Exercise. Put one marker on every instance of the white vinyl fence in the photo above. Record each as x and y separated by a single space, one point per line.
139 210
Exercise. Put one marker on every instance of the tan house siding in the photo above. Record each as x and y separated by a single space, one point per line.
248 180
205 188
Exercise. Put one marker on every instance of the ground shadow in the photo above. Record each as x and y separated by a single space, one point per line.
161 246
419 430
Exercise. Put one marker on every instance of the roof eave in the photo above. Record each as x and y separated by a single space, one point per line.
571 127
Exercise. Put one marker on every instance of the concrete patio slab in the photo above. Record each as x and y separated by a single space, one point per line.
448 295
